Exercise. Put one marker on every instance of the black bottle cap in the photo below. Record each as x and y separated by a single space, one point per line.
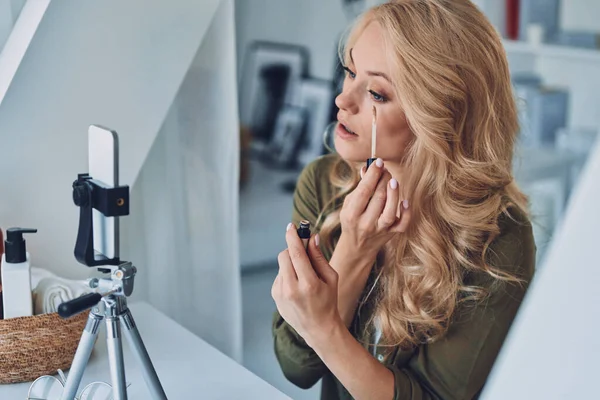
304 230
14 245
370 161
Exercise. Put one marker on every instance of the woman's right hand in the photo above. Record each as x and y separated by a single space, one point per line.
370 215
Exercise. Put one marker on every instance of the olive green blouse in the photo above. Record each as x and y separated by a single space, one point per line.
454 367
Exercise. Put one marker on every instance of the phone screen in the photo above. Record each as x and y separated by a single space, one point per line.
103 154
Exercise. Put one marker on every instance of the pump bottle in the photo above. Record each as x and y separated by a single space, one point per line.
16 275
1 253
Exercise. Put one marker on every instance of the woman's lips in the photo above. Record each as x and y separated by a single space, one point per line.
343 133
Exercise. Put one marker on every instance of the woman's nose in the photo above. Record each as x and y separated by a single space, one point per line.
345 102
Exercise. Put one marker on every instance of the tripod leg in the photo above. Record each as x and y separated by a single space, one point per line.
115 358
139 350
82 355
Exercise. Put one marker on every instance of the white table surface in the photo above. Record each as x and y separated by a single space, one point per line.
187 366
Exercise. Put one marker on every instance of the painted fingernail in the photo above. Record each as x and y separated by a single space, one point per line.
288 227
405 204
393 183
379 162
317 239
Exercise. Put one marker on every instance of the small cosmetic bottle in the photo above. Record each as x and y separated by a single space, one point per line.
16 275
1 254
304 232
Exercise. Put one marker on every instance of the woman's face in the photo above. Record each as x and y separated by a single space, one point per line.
367 83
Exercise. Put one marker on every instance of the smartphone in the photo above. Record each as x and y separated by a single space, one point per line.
103 163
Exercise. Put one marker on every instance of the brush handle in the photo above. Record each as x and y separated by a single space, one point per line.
370 161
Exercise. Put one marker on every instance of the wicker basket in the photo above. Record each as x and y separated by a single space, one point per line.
39 345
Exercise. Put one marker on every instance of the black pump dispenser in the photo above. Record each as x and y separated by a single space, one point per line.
14 245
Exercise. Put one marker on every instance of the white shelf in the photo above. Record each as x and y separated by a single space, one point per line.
554 51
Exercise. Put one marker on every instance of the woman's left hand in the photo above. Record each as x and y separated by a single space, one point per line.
306 289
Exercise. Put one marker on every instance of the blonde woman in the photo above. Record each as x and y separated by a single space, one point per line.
422 260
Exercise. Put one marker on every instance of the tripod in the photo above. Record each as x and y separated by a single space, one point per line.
115 312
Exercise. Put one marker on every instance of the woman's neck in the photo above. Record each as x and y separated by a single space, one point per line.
396 170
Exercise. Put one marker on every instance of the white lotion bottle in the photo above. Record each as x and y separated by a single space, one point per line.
16 275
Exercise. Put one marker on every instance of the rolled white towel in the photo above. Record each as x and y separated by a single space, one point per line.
51 291
37 274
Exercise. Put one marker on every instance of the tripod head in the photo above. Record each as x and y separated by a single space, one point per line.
120 283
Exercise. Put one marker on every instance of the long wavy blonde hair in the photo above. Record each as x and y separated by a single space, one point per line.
452 78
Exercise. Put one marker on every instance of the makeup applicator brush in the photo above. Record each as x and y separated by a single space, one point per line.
373 139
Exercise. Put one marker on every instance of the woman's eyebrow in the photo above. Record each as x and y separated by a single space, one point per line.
381 74
371 73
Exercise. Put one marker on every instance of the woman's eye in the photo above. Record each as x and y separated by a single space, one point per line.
351 74
376 96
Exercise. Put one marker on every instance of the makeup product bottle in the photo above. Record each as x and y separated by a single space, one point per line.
1 254
304 232
16 275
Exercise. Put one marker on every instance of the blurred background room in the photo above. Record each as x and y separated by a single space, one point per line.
219 105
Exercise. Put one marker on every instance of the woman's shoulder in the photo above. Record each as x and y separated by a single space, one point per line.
315 176
515 223
314 188
514 250
318 170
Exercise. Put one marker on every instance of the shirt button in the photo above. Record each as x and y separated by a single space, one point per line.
380 357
